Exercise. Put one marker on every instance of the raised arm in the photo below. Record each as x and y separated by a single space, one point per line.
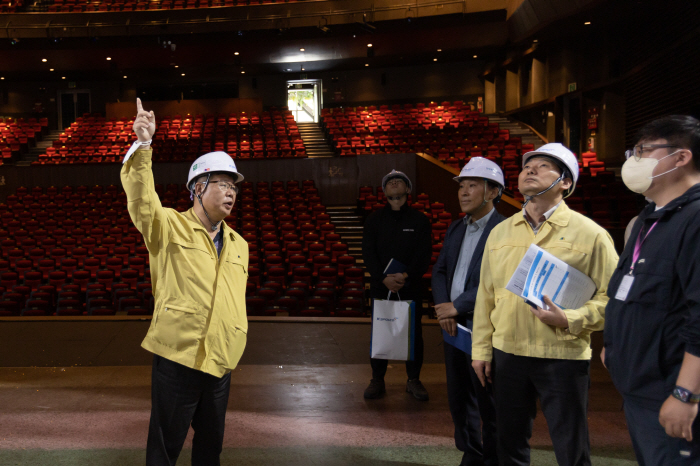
145 208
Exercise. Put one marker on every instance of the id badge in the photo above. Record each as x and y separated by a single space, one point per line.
624 287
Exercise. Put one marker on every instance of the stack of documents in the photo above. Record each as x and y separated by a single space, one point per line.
540 273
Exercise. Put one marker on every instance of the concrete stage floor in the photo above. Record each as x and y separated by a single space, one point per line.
296 399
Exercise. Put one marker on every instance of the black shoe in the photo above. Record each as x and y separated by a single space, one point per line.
415 388
376 389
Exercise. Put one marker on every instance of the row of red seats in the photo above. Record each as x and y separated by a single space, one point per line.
72 6
11 6
18 136
94 139
292 246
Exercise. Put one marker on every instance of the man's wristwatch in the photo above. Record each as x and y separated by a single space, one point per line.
684 395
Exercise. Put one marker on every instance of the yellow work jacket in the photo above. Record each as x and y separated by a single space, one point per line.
502 320
200 313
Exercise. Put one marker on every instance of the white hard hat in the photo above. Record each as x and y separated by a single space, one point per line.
557 151
212 162
396 174
479 167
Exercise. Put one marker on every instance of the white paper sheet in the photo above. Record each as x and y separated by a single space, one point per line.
540 273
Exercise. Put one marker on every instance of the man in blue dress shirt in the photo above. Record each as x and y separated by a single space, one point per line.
455 283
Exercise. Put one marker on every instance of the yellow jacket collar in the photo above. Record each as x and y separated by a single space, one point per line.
560 217
192 217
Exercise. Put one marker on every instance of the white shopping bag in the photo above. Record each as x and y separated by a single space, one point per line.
393 331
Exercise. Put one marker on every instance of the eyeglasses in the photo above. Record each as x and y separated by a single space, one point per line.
638 151
225 186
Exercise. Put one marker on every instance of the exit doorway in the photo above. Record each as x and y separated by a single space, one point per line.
72 104
305 99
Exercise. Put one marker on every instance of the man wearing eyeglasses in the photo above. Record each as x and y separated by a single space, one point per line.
652 321
199 272
401 233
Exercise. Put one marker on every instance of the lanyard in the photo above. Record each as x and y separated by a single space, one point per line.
638 246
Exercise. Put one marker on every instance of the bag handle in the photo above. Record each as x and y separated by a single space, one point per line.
388 297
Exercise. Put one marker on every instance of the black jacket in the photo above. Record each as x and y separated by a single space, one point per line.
444 268
647 335
404 235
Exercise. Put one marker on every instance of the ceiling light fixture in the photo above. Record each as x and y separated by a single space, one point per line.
587 23
474 56
2 77
177 66
242 72
366 64
44 60
235 53
302 50
63 77
182 74
124 77
434 59
369 45
50 69
109 58
535 40
439 50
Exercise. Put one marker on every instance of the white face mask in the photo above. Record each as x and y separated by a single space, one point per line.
638 174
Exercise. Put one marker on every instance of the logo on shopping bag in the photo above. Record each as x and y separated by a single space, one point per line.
386 319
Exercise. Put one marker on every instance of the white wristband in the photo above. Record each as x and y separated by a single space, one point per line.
134 147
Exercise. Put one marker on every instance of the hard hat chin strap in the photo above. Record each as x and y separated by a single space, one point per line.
556 182
486 201
214 226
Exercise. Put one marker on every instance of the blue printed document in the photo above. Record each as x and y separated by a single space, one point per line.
540 273
462 341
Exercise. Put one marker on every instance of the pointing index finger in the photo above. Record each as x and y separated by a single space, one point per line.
139 107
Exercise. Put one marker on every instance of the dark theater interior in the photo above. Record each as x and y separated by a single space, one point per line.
315 101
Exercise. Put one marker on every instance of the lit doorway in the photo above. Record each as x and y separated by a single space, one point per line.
305 99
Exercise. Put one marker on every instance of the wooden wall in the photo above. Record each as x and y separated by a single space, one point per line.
184 107
338 179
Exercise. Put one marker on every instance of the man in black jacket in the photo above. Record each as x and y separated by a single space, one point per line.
401 233
652 321
455 283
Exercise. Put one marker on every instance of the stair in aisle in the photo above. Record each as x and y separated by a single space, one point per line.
314 140
349 226
40 148
517 129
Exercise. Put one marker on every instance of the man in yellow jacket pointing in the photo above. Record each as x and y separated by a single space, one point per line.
199 269
532 353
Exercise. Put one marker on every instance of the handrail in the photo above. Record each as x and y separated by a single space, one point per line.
507 198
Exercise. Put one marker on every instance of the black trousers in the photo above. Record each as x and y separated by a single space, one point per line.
651 444
379 366
562 387
468 402
181 397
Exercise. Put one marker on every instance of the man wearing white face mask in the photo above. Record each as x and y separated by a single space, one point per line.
534 353
652 325
401 233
